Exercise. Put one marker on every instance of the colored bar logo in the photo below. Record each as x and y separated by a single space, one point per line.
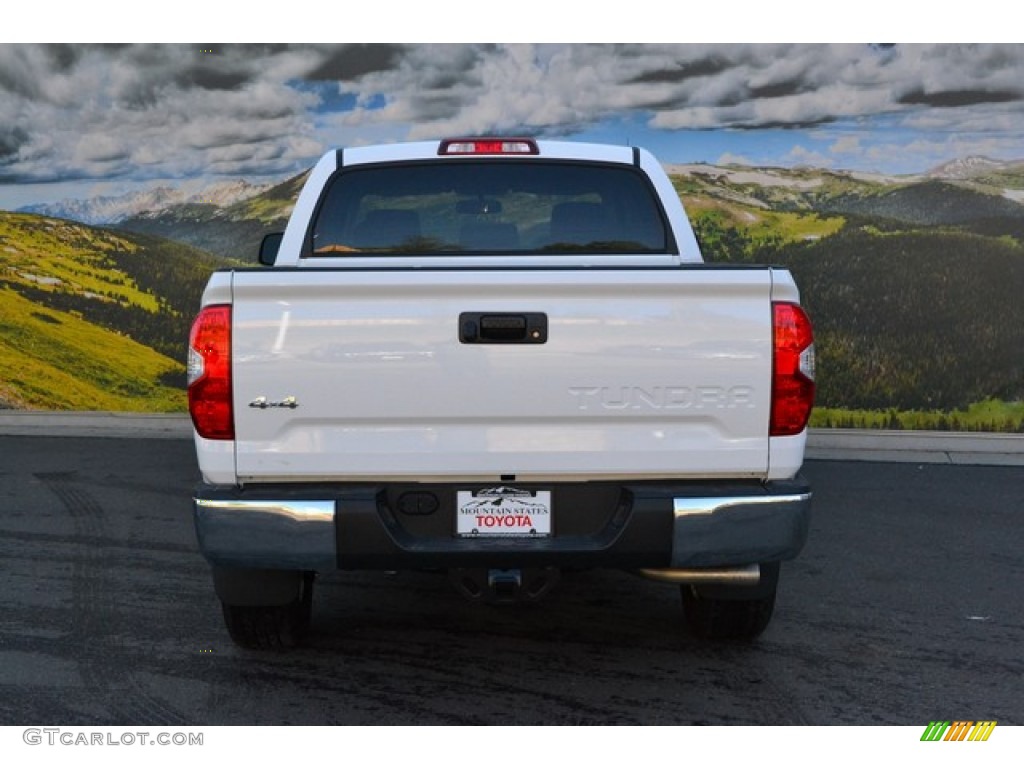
959 730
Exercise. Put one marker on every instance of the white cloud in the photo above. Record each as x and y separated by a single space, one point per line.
800 155
161 111
729 158
846 145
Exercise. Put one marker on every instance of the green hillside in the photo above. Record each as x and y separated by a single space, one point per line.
93 319
915 319
57 361
930 203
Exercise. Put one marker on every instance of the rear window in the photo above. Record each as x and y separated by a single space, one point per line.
482 207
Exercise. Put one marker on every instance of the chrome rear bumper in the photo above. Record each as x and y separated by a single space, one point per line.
673 532
286 534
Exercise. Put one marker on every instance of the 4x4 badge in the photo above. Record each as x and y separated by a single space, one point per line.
262 402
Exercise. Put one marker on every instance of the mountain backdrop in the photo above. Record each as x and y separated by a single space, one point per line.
228 218
103 210
914 284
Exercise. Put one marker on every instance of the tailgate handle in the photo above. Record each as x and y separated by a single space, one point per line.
503 328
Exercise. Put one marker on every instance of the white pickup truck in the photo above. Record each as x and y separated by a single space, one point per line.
502 358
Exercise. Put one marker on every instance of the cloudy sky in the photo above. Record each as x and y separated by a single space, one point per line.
84 120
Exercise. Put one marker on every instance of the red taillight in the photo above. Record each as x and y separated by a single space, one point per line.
793 370
488 146
209 374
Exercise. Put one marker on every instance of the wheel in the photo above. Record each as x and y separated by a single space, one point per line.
271 627
731 613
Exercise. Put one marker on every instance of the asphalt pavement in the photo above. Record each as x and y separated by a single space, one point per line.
905 607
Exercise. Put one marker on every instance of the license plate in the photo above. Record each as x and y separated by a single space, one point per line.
503 511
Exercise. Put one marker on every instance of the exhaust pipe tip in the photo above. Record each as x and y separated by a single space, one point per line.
739 576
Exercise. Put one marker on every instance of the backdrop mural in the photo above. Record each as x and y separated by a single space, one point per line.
889 178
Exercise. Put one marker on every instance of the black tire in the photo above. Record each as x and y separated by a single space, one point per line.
736 614
271 627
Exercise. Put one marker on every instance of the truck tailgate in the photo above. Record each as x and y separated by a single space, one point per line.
347 375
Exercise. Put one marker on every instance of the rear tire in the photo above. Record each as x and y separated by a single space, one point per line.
271 627
737 614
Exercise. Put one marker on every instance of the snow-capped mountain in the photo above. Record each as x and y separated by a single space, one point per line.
966 168
111 210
